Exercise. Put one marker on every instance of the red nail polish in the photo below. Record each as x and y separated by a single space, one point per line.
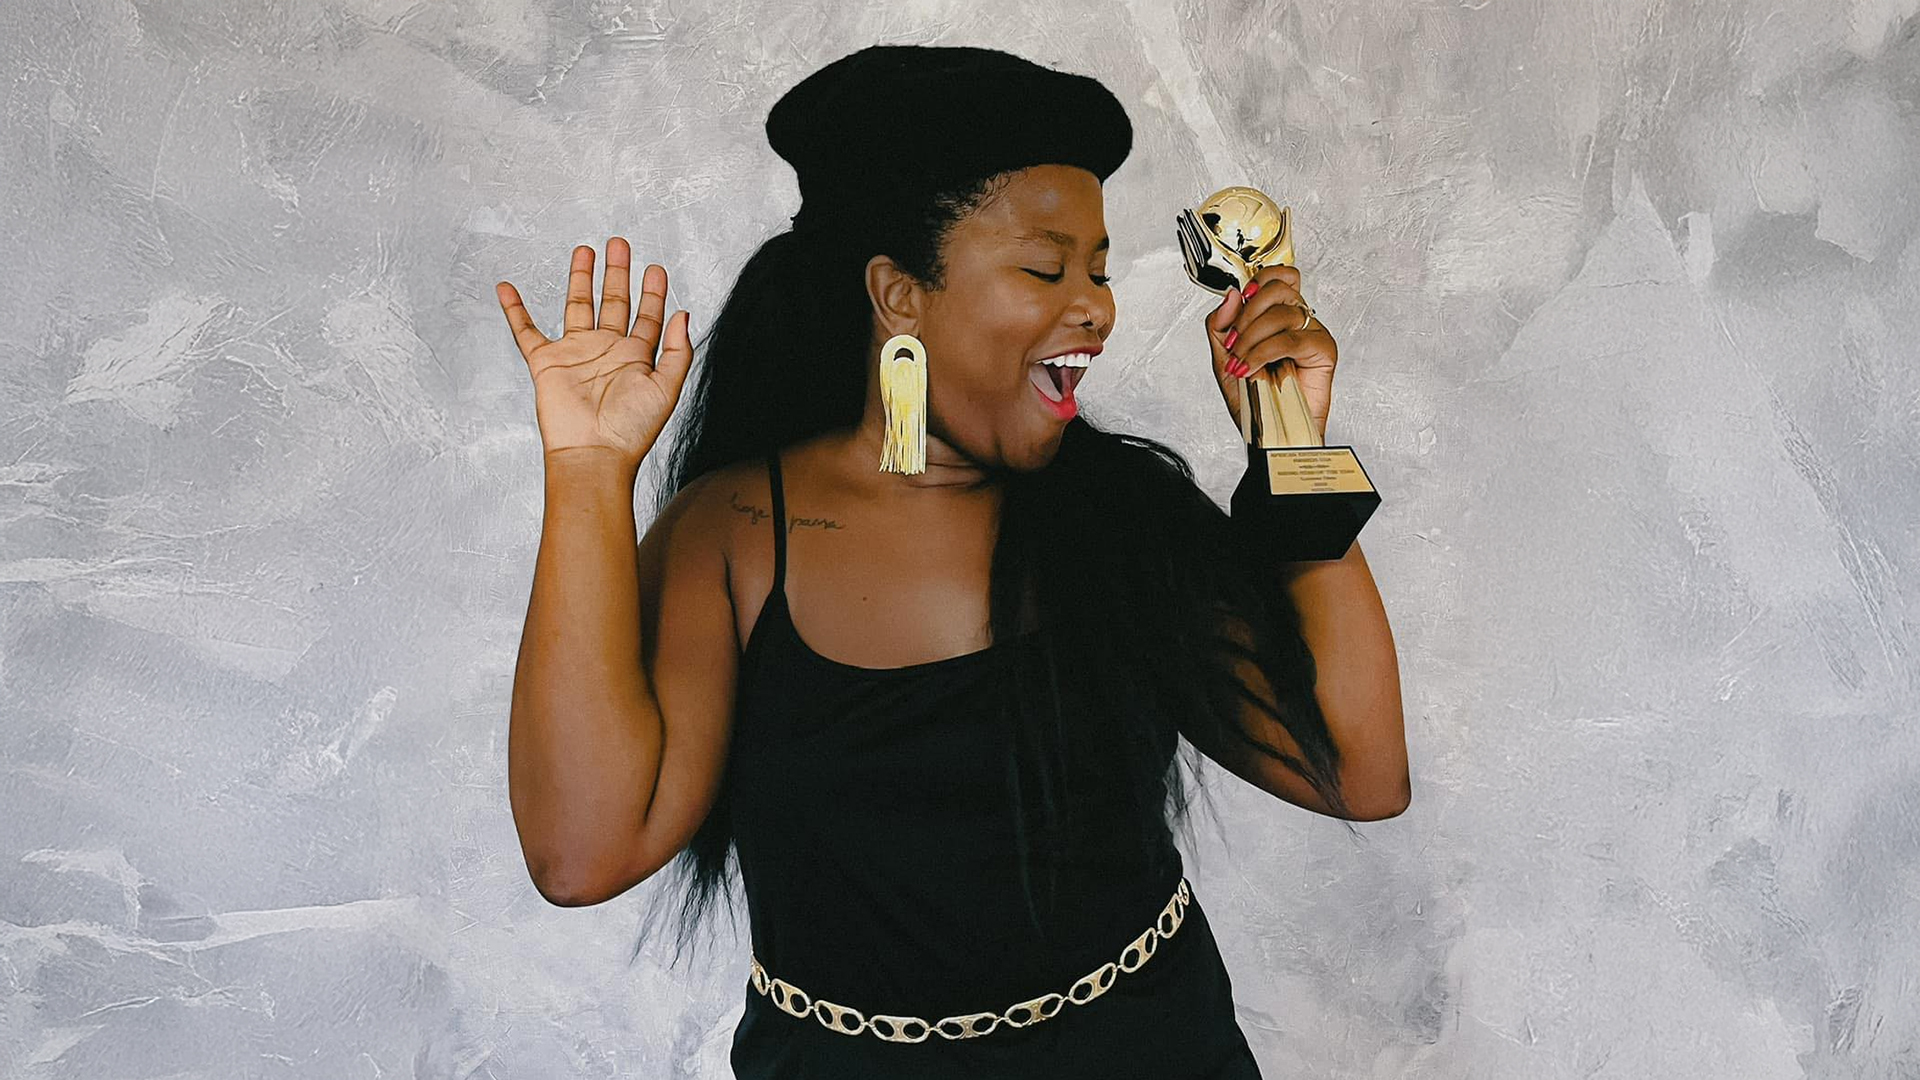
1232 336
1252 287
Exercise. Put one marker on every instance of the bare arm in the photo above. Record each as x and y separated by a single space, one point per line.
584 741
618 737
1357 686
1345 626
624 694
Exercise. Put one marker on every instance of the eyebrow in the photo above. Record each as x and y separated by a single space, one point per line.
1056 236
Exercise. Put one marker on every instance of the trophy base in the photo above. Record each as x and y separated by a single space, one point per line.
1303 503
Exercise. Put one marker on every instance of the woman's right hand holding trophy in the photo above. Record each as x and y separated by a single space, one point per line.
1300 499
1276 335
599 390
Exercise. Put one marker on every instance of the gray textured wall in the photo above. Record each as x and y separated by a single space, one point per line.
1626 293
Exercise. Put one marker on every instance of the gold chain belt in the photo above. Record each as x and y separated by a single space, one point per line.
1045 1007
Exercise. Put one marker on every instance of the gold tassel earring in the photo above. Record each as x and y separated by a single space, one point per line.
903 391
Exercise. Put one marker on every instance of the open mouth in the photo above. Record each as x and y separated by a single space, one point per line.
1056 381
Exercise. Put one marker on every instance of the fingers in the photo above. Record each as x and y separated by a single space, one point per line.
580 291
676 349
524 333
1230 307
653 304
614 297
1282 275
1274 290
1219 325
1276 306
1285 326
1272 285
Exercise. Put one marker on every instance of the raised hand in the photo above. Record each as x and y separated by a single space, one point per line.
1276 330
599 388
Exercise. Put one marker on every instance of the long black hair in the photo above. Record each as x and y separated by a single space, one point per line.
1131 627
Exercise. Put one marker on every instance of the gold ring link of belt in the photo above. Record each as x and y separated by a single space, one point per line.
835 1017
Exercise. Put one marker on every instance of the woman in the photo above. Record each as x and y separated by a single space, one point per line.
906 634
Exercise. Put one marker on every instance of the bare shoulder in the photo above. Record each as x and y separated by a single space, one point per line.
730 508
733 500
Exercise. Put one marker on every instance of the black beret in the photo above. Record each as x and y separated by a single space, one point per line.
892 125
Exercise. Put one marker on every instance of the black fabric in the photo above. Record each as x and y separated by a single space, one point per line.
891 124
874 816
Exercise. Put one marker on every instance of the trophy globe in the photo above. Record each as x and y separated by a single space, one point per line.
1246 222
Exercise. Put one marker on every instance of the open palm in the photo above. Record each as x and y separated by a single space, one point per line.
600 387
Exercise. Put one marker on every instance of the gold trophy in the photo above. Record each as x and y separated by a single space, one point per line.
1302 499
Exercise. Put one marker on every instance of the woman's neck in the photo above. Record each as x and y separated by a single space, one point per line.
854 456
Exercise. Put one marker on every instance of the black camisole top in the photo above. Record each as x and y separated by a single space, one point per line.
874 817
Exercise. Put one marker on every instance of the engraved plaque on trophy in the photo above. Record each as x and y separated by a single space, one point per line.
1302 500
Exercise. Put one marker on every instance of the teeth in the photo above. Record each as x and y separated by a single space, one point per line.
1078 359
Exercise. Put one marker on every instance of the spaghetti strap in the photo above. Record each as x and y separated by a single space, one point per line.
779 525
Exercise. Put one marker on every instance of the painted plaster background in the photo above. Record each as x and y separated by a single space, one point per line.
1626 293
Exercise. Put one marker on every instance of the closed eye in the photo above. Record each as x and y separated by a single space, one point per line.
1097 279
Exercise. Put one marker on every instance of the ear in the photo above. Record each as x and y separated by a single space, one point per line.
897 298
